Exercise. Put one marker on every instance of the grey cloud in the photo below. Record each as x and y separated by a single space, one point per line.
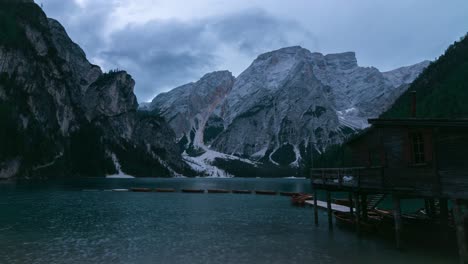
254 30
164 54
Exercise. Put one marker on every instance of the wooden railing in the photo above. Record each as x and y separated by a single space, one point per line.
421 179
359 177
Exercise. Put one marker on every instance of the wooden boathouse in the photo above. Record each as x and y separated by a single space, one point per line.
405 158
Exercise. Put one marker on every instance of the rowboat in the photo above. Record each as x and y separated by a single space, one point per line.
164 190
193 191
348 221
120 190
407 218
242 191
289 193
300 199
218 191
339 201
263 192
140 189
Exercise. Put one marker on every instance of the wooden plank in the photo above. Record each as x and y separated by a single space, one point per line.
334 207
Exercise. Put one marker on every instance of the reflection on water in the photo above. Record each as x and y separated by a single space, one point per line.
59 223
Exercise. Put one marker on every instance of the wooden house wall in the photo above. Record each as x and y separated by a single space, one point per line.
394 141
452 161
361 148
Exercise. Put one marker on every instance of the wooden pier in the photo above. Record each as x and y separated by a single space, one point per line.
404 158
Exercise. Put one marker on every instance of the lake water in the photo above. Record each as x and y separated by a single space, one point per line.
59 223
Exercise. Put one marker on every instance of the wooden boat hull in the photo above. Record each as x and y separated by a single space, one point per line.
348 221
300 199
261 192
192 191
164 190
406 218
289 193
140 189
218 191
344 202
241 191
120 190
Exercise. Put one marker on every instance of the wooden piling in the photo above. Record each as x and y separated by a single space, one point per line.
458 214
397 220
427 209
364 206
443 203
315 208
329 211
432 207
351 207
358 213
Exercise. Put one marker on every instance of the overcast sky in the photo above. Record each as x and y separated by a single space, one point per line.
167 43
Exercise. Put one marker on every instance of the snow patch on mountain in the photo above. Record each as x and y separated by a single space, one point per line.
286 101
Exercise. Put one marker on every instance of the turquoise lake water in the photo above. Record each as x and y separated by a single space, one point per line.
57 222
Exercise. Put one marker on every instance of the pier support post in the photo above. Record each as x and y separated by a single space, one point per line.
315 207
358 213
443 217
432 207
329 211
443 203
458 214
351 206
397 220
364 206
427 209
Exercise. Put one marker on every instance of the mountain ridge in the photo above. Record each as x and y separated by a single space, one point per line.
61 116
291 98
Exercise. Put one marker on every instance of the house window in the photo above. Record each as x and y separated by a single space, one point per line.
418 148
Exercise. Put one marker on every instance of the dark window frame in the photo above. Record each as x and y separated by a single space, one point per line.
418 148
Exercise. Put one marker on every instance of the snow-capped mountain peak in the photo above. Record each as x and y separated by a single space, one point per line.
286 101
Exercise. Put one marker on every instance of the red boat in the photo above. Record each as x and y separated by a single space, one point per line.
300 199
347 220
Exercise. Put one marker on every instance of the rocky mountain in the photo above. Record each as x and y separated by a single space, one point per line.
286 101
188 107
61 116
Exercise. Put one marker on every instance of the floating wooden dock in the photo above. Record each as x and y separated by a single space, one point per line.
334 207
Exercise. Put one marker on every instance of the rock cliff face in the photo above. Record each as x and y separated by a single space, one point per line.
61 116
187 108
286 101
